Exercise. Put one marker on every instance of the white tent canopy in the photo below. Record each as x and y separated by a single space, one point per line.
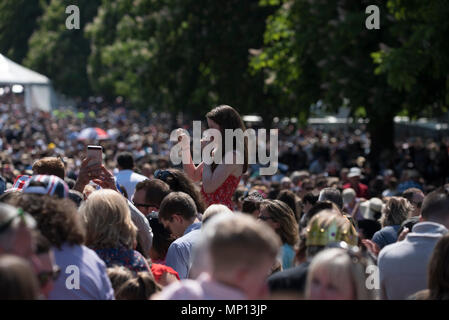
38 90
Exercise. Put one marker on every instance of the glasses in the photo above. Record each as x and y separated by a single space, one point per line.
25 217
144 205
45 276
163 175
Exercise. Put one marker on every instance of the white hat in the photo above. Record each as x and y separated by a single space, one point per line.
348 195
354 172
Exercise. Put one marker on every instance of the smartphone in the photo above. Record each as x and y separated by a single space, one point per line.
95 153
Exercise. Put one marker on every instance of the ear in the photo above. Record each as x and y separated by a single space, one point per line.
177 218
421 218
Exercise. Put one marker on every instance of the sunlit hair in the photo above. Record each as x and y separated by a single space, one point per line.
213 210
239 241
340 268
228 118
108 220
395 211
281 213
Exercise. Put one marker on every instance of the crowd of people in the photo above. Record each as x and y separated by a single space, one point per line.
328 225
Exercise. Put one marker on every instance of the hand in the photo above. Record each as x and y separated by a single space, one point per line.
403 234
184 139
371 246
105 179
86 174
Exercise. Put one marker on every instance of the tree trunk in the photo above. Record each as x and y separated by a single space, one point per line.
381 130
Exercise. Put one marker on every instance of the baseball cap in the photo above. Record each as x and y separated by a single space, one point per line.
354 172
47 184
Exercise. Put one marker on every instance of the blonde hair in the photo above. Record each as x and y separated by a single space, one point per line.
281 213
396 211
108 220
240 241
215 209
340 268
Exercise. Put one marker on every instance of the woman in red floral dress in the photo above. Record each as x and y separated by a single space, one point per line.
219 181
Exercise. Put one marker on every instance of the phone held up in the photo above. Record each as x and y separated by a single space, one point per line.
95 154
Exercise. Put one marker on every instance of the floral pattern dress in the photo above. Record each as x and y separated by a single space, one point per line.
223 195
122 256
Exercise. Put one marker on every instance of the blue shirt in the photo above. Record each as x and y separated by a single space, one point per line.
179 252
386 236
83 275
288 256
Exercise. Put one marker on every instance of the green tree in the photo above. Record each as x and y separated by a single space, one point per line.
179 55
419 64
60 53
18 19
321 50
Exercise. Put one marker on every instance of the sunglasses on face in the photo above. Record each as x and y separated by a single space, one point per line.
45 276
144 205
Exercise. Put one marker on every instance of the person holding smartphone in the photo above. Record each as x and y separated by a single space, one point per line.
219 181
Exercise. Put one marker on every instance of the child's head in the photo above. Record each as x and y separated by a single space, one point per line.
242 252
118 275
140 287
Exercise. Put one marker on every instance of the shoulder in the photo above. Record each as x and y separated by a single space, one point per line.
181 290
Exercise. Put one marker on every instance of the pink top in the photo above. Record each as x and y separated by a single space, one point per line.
223 195
203 288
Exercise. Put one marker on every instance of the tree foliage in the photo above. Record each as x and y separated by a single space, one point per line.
178 54
18 20
60 53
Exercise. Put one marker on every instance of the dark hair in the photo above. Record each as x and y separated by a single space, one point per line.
438 271
140 287
309 197
42 244
333 195
410 193
161 238
435 206
368 228
252 202
289 198
228 118
155 190
178 181
177 203
57 219
49 166
317 207
125 160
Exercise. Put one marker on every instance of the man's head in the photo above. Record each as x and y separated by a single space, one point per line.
149 195
416 198
242 252
435 207
49 166
332 195
177 212
125 161
354 175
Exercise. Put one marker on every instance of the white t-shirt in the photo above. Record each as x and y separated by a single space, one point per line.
129 179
